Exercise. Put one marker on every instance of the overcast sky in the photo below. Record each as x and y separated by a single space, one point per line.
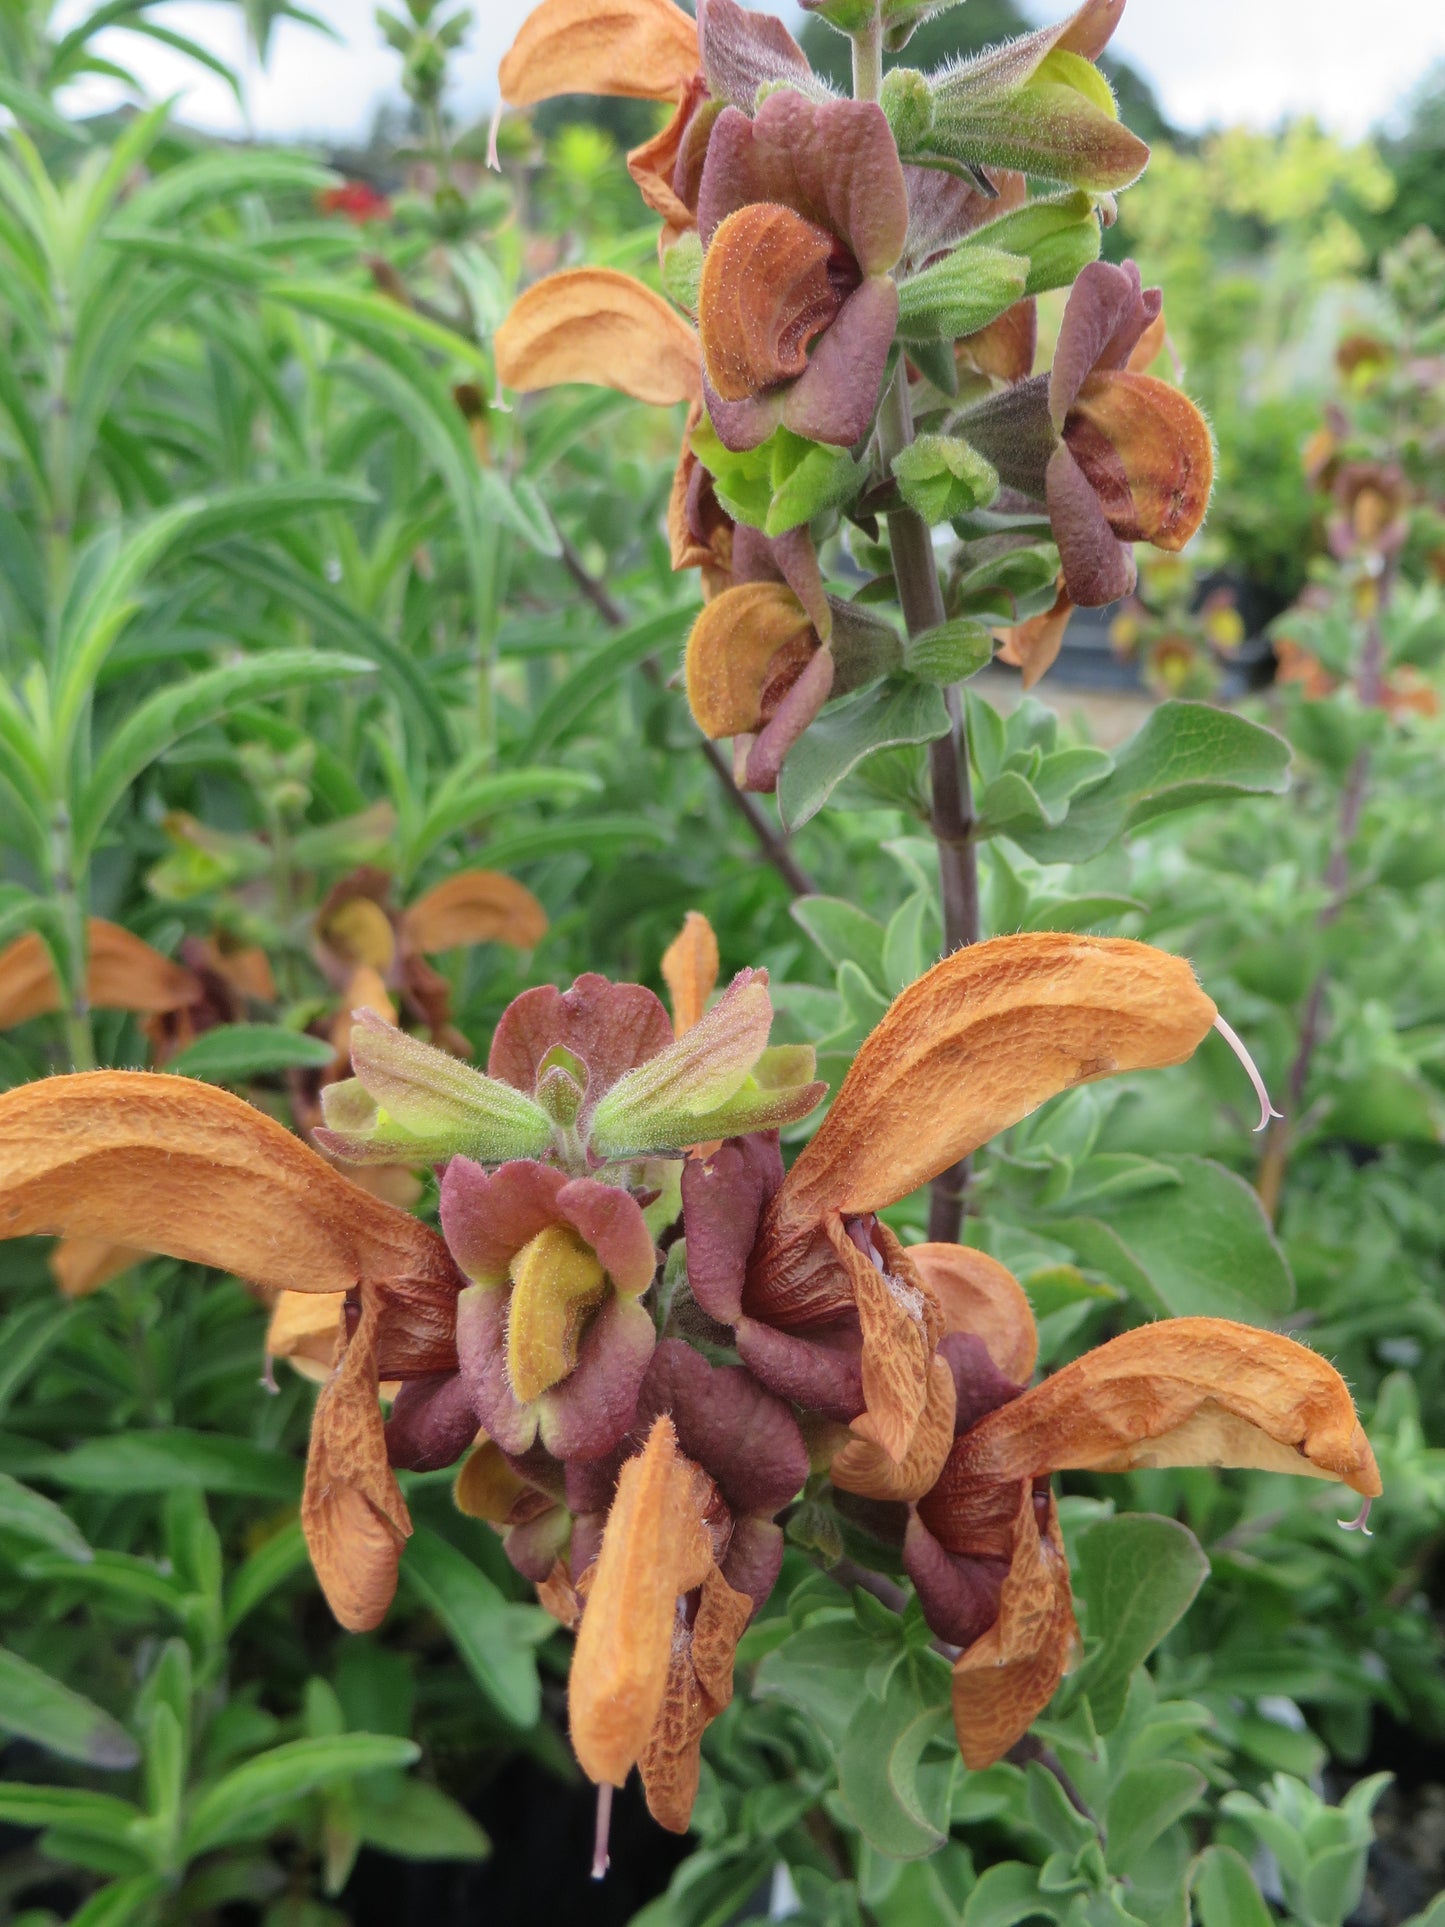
1222 61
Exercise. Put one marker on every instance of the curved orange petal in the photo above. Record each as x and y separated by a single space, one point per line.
475 906
305 1327
352 1512
123 974
126 974
1187 1391
633 49
977 1294
1005 1679
1034 646
699 1686
29 986
171 1165
864 1467
80 1266
743 641
689 969
598 326
1148 454
771 282
979 1042
654 1548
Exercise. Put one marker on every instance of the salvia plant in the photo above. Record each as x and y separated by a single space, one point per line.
825 1370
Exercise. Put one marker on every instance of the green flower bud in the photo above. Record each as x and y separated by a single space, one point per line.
1059 237
960 294
410 1103
908 102
719 1079
941 476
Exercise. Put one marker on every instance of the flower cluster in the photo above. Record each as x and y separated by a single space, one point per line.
815 251
643 1337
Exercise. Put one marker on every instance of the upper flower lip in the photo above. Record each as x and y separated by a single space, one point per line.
830 173
637 49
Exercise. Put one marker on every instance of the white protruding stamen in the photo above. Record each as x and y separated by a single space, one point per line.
1235 1043
601 1860
492 158
268 1376
1357 1524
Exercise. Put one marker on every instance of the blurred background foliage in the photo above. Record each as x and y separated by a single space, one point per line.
283 589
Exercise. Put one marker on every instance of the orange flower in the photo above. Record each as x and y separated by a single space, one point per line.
1116 455
363 942
829 1309
122 973
598 326
645 1683
690 970
165 1164
983 1546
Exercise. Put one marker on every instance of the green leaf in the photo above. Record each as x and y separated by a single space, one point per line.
1007 1894
1139 1574
234 1053
900 1810
251 1793
818 1669
269 1566
369 318
1146 1801
23 1805
26 105
951 653
1202 1248
187 704
843 933
1186 753
585 682
1224 1891
156 1461
591 836
958 295
495 1638
54 1716
39 1520
416 1821
882 716
122 1903
30 1332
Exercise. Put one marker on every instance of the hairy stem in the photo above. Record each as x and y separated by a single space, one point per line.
916 573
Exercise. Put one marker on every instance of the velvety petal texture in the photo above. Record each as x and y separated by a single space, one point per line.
170 1165
689 969
636 49
598 326
814 192
742 51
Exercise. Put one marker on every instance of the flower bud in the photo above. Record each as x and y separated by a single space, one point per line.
906 100
410 1103
1059 237
718 1079
941 476
960 294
